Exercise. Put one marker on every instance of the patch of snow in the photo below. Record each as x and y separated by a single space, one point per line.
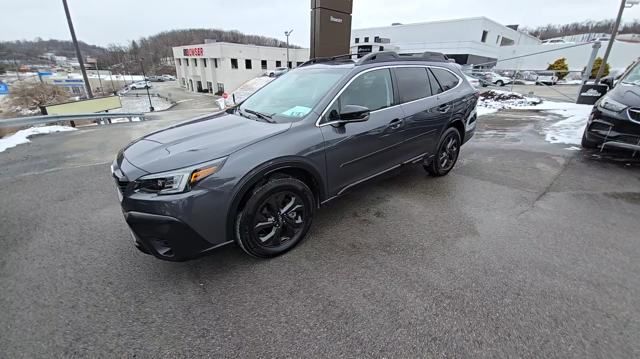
22 136
494 100
141 104
568 131
569 82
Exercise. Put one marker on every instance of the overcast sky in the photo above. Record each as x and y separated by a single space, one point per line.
103 22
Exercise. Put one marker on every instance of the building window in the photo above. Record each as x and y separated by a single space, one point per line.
186 62
234 63
506 41
498 39
195 62
357 40
209 87
289 64
381 48
263 64
179 62
247 64
366 39
215 63
219 88
278 63
184 82
299 63
204 62
484 35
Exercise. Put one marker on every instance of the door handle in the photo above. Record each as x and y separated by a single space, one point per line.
395 124
444 108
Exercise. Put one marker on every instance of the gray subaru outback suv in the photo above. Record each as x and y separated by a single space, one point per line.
256 173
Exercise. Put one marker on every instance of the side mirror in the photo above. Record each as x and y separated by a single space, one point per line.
607 81
354 113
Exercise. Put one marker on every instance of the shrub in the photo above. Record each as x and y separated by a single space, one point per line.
560 67
596 68
32 95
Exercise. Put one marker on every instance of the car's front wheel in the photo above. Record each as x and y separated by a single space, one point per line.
586 143
275 218
500 83
447 154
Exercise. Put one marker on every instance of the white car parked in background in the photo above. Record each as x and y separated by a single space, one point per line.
473 81
168 78
497 79
547 78
140 85
277 71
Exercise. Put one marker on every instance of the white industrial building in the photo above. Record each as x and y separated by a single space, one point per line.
219 67
468 41
483 42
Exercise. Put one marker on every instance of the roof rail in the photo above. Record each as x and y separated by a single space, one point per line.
318 60
379 56
390 56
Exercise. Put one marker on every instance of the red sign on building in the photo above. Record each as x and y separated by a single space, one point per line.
196 51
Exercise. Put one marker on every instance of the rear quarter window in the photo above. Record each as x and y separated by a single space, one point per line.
446 78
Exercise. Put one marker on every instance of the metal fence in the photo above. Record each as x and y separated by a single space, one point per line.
99 118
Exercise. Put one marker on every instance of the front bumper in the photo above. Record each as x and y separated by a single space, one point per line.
173 227
613 131
166 237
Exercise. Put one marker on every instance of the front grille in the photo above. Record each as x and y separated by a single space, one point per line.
634 114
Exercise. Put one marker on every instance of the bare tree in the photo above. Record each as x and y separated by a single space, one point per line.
32 95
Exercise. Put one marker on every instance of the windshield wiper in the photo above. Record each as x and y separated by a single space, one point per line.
262 116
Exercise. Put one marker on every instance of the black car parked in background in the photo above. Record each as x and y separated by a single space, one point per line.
615 120
256 173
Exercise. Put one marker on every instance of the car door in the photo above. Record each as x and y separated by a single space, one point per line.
421 115
358 151
451 102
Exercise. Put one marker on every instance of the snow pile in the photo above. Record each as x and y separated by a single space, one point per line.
494 100
141 104
22 136
569 130
248 88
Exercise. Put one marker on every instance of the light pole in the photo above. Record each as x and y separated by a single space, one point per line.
624 4
87 85
287 33
144 76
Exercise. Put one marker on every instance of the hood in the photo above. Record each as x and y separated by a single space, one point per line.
198 141
626 94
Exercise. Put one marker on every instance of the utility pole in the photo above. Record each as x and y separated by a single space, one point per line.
287 33
87 85
151 109
623 4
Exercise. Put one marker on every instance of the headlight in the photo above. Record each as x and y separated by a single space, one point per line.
177 181
611 105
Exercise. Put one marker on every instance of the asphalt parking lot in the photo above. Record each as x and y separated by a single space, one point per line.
526 249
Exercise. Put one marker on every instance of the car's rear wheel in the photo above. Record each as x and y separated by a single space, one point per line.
447 154
275 218
500 83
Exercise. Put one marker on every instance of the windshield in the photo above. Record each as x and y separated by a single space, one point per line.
293 95
633 77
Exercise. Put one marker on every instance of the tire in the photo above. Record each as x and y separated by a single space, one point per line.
272 75
446 155
586 143
133 88
500 83
276 217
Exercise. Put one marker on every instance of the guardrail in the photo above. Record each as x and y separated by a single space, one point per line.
40 120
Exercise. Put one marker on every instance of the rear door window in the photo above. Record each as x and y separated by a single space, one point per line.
446 78
413 83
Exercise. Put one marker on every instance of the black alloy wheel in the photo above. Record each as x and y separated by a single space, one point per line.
276 217
279 219
447 155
